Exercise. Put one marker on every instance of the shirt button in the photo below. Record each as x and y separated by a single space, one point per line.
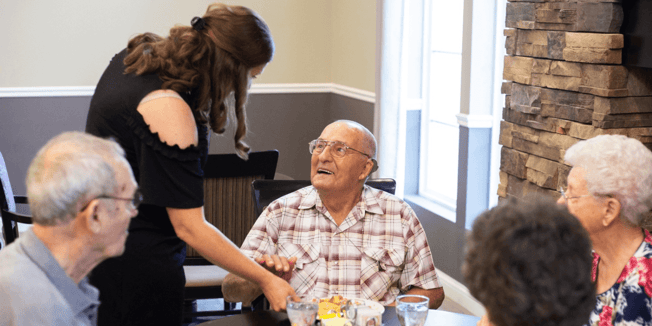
335 262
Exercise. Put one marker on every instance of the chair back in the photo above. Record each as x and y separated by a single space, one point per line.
10 218
228 202
6 194
267 191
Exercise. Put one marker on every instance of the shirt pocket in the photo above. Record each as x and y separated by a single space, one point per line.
380 269
305 274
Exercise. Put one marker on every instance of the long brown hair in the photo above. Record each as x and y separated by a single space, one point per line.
216 60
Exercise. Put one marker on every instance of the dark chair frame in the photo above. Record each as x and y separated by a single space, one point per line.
260 164
10 218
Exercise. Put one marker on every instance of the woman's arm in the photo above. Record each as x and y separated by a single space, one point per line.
172 119
192 227
237 289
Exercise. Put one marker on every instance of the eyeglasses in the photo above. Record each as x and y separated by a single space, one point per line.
338 148
563 194
136 200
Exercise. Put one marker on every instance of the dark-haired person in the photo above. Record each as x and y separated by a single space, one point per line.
529 263
610 192
157 98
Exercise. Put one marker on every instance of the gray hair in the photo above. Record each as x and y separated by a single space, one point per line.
618 166
70 170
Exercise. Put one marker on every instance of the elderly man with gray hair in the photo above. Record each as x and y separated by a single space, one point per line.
82 196
610 193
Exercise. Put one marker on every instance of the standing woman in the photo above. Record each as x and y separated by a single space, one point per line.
157 98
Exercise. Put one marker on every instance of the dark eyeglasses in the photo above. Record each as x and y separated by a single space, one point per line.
135 201
338 148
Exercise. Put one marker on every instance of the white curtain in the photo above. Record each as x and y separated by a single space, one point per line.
398 81
389 119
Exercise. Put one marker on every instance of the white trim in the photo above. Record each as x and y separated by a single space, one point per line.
289 88
475 121
314 88
57 91
411 104
440 209
49 91
355 93
458 293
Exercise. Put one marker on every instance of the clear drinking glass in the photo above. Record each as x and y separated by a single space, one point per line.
302 310
412 310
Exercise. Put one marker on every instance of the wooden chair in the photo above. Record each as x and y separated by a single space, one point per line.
8 201
228 205
266 191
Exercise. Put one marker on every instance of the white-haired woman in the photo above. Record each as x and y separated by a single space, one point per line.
610 192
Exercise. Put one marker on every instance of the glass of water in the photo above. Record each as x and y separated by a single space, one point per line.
412 310
302 310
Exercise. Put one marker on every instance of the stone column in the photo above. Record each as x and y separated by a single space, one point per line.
564 82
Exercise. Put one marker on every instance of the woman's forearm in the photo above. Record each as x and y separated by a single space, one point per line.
191 226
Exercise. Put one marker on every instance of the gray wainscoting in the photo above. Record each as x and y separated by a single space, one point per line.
26 124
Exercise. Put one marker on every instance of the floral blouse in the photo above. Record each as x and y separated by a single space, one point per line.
629 301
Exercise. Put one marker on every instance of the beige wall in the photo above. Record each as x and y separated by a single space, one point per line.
354 43
70 42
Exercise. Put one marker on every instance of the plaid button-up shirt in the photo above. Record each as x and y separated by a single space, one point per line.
378 251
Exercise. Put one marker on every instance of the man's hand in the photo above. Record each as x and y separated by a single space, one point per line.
276 291
435 295
281 266
237 289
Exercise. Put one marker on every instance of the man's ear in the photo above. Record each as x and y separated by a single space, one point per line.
91 216
370 167
611 211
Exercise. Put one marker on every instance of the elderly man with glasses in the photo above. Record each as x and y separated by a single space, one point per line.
610 193
82 196
338 236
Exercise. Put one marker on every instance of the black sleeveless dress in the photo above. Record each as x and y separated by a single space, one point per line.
145 285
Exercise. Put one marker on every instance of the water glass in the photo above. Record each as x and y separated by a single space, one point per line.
412 310
302 310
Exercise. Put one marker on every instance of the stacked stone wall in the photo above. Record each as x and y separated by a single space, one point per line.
565 82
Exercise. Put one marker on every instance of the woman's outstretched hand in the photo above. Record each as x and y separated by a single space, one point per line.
276 291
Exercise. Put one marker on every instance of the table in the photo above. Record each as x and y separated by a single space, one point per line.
268 317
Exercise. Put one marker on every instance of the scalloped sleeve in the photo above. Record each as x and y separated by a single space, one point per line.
168 176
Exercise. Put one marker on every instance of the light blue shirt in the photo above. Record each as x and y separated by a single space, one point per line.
35 290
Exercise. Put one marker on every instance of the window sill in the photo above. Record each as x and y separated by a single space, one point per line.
434 207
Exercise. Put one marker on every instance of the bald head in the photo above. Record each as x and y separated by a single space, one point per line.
367 139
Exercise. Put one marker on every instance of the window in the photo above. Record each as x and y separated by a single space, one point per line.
451 62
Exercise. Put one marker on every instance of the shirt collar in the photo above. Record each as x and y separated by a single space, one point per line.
368 202
79 297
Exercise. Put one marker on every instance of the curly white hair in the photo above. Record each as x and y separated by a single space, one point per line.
618 166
